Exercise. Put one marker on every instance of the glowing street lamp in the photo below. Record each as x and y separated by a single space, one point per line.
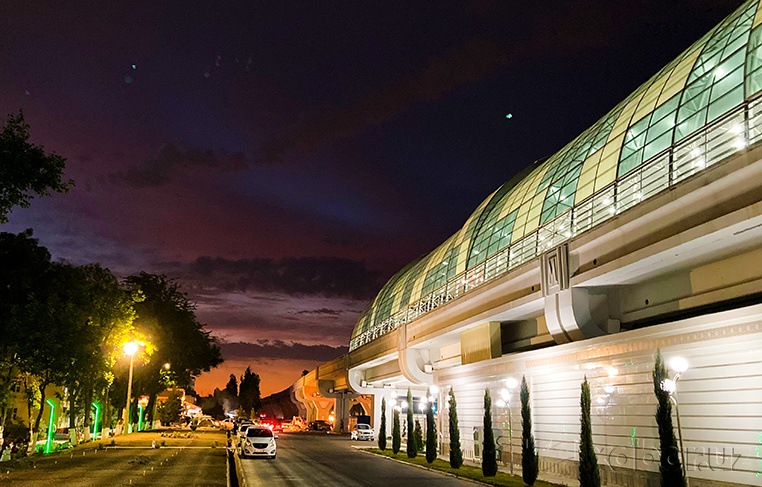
130 348
49 442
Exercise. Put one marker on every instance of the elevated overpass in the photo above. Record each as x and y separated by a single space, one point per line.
643 233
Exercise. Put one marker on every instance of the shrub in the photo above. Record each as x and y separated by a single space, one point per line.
418 436
529 459
382 427
669 462
431 434
456 454
396 437
589 474
489 455
412 446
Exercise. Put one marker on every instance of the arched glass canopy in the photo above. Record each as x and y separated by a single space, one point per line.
695 112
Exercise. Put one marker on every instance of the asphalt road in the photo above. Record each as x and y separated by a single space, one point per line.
182 461
318 459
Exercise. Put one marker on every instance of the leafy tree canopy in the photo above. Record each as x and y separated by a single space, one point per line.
169 319
25 169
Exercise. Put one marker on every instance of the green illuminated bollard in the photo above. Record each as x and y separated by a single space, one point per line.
49 443
95 423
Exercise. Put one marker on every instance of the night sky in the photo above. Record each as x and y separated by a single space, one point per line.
283 159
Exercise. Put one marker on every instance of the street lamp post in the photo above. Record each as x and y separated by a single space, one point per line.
130 348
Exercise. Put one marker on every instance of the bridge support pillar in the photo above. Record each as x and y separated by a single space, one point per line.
341 406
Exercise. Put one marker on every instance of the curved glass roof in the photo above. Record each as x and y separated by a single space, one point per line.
660 134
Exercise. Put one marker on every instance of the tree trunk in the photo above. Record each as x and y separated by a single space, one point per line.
43 386
36 428
105 426
73 416
88 401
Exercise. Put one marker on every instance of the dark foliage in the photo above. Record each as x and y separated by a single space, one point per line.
456 454
431 434
396 436
489 453
589 474
412 446
25 169
529 458
382 428
669 462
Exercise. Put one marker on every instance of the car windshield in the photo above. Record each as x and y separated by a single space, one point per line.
259 433
363 427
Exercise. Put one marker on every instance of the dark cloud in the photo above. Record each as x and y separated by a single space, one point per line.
468 64
280 349
325 276
321 311
172 161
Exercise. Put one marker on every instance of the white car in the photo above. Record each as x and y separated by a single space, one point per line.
258 442
242 433
362 432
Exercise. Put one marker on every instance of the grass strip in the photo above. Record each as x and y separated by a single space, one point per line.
466 471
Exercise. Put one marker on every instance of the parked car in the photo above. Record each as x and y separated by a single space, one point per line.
320 425
258 442
242 432
362 432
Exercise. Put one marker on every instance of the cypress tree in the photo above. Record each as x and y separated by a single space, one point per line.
431 434
589 475
418 435
382 427
489 455
456 454
669 463
412 447
529 458
396 437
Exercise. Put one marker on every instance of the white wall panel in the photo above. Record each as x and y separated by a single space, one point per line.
720 396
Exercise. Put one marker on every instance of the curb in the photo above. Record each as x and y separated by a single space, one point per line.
448 474
239 470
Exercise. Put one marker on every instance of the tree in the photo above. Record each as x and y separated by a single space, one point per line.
53 350
232 386
418 436
431 434
23 263
167 316
169 410
530 461
589 474
249 392
456 454
412 448
25 169
669 462
382 428
111 311
489 453
396 437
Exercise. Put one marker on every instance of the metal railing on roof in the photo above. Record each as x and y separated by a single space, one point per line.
712 144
